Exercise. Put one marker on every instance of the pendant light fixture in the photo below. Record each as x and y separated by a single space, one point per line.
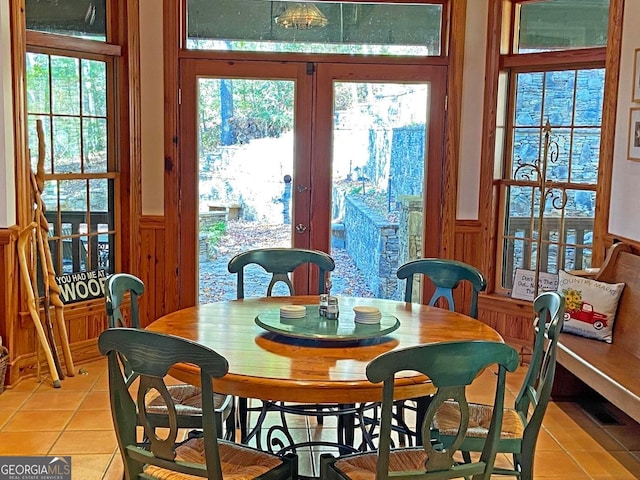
302 16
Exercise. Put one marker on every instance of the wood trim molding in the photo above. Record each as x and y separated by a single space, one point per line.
7 237
152 267
18 52
595 55
468 226
452 134
64 42
26 366
486 210
9 299
635 244
171 44
24 207
152 222
607 140
131 178
307 57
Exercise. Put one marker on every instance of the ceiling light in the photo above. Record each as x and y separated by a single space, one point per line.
302 16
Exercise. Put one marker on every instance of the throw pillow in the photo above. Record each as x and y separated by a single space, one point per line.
590 306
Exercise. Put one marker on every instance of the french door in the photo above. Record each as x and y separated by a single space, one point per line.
278 146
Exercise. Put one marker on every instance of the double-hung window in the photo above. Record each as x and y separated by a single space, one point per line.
550 136
70 93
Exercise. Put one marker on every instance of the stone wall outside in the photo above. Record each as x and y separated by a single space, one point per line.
366 233
378 246
410 235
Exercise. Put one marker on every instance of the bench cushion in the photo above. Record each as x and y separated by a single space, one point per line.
609 369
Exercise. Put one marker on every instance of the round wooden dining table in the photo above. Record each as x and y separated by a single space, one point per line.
266 365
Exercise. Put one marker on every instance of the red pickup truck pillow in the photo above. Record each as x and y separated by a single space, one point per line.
590 306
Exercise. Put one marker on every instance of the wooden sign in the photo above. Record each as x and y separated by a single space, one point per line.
524 281
81 286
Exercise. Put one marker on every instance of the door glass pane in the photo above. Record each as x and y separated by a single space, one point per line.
321 27
245 158
379 139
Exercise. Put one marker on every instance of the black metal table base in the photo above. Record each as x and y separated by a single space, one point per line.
279 440
350 417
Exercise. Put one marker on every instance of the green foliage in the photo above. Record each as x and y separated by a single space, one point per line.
260 108
69 95
215 232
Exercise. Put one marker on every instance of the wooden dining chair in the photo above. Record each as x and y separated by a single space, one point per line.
117 286
280 263
446 276
452 367
150 355
522 423
188 397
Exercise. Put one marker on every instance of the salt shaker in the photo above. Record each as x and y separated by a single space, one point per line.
332 309
324 302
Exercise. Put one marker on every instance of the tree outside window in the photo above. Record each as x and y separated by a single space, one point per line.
68 95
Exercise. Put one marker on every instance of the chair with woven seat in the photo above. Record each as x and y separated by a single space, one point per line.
188 398
446 276
452 367
522 423
280 262
150 355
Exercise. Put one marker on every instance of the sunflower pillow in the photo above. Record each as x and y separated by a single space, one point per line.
590 306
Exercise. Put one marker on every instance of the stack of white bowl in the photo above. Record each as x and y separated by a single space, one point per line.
293 311
367 315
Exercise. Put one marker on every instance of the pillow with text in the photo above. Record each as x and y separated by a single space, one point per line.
590 306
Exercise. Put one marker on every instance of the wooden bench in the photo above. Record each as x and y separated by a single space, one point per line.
612 370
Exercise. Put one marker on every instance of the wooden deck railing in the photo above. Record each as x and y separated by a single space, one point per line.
558 250
72 251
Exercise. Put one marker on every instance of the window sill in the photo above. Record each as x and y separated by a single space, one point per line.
503 303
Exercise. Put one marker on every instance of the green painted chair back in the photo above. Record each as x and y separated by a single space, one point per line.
452 367
533 398
150 356
116 286
281 262
445 275
525 419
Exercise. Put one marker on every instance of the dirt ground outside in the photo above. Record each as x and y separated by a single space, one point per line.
217 284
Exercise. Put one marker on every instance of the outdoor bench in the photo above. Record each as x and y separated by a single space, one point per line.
611 369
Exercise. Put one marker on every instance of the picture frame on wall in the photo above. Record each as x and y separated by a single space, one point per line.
633 152
635 91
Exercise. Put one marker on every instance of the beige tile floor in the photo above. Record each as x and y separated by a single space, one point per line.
36 419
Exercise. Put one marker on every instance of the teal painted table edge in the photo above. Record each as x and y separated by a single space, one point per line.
315 327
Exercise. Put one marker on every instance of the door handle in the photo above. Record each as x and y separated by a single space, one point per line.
301 228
